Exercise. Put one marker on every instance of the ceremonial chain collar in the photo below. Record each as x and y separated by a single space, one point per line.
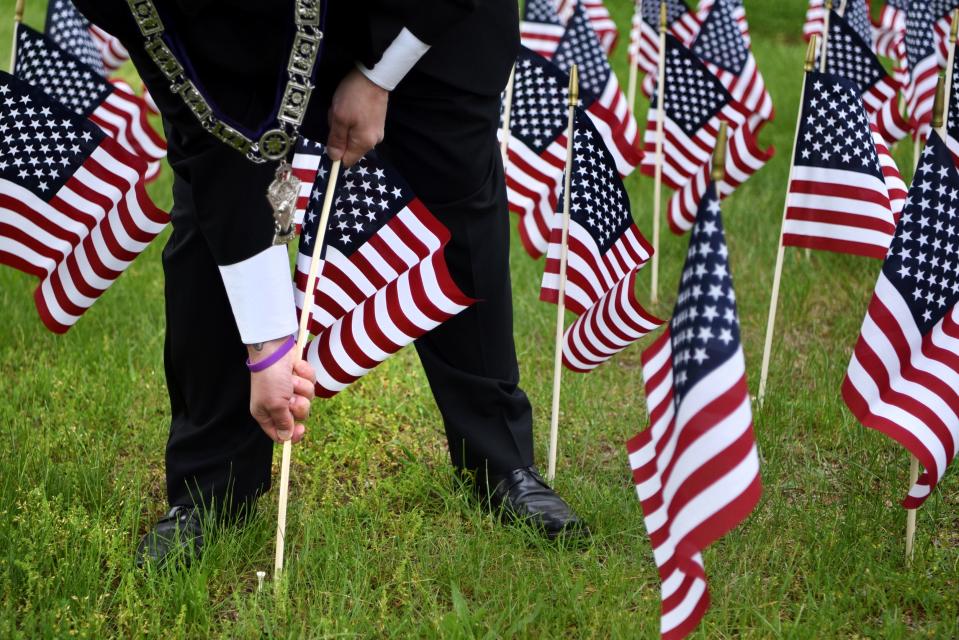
274 144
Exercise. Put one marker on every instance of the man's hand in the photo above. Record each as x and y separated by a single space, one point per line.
280 394
357 118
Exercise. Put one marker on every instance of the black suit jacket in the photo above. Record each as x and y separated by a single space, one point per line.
239 50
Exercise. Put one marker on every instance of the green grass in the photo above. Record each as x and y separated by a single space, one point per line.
380 543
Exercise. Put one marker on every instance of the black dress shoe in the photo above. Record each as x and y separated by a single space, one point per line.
176 536
523 495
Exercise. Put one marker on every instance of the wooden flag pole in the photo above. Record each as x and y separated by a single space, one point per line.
939 124
507 112
658 176
824 50
301 337
561 295
633 63
17 19
781 251
950 70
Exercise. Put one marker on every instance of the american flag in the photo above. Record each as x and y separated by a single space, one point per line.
849 56
599 91
536 153
383 282
904 373
696 466
720 44
73 208
120 114
926 44
952 118
598 16
93 46
737 9
890 30
695 103
837 199
606 250
541 28
744 157
681 22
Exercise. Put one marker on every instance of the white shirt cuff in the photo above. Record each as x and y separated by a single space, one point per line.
402 54
260 290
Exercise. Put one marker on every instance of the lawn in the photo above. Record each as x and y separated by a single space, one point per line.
381 544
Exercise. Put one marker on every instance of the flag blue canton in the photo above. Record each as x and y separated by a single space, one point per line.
857 17
704 329
43 64
367 197
540 101
581 46
720 40
953 114
834 131
41 143
541 11
920 39
674 10
69 29
850 56
598 199
693 94
941 8
923 259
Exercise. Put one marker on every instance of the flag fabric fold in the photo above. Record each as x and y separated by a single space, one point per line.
541 28
837 199
904 373
605 251
383 280
696 466
120 114
681 22
73 208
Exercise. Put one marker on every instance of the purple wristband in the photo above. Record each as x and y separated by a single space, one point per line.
273 358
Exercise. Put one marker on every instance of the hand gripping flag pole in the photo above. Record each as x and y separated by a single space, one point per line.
658 176
301 338
507 109
939 124
561 294
17 19
781 251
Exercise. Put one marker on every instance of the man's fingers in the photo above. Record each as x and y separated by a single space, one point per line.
304 388
299 407
360 143
305 370
282 420
337 143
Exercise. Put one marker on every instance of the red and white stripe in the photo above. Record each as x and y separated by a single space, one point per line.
614 120
411 305
123 116
748 87
904 384
410 237
541 37
744 157
590 274
739 15
614 322
891 123
305 167
896 187
533 183
599 18
815 19
696 470
889 33
644 39
684 155
838 210
112 51
80 241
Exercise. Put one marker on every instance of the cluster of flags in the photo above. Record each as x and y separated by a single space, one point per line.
76 150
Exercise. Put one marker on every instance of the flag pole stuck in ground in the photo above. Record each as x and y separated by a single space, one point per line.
939 124
507 111
658 175
561 294
781 250
301 338
17 19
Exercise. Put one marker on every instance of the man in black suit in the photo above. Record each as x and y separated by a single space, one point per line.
419 78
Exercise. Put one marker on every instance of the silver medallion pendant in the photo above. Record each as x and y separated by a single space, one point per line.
282 194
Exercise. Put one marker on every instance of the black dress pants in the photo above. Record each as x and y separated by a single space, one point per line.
443 141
